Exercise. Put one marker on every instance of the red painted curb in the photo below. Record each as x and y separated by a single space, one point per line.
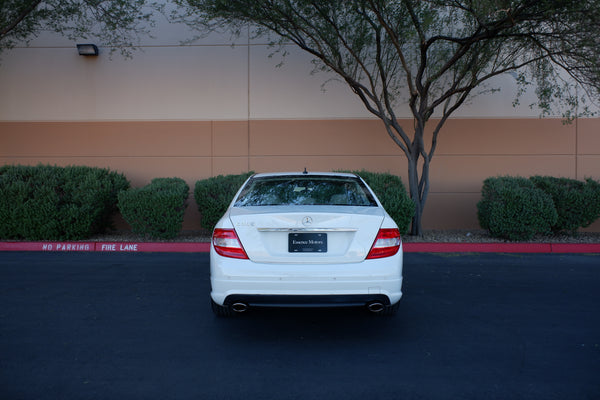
194 247
203 247
47 246
154 247
576 247
477 248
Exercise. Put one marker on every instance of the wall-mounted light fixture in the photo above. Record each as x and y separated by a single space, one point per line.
87 49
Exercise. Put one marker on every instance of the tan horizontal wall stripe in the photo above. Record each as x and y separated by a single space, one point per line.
469 150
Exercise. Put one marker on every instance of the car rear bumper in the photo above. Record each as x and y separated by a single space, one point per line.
306 285
259 300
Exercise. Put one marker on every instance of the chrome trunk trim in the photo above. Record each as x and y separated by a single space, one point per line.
306 229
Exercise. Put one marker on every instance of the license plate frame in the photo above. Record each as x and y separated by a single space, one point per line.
307 242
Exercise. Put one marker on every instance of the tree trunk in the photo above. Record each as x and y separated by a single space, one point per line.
415 195
418 189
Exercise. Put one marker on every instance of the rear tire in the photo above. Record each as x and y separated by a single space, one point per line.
220 311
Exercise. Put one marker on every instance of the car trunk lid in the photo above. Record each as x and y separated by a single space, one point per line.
312 234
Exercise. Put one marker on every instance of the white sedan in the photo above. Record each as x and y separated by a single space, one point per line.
305 240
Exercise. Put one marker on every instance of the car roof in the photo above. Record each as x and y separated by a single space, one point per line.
296 173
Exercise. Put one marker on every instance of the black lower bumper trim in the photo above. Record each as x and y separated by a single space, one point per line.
351 300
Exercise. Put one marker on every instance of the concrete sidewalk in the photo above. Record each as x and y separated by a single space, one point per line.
203 247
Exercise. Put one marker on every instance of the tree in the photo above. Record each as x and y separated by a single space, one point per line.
117 22
434 55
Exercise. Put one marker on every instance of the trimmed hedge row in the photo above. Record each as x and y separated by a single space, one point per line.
73 203
514 209
577 203
57 203
393 196
213 196
517 208
155 210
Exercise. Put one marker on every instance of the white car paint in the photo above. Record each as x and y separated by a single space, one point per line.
342 273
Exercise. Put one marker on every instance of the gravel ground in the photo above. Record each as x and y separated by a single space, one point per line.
442 236
482 236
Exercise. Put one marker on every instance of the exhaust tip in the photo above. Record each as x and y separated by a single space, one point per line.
239 307
376 307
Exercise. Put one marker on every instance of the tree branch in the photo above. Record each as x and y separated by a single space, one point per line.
19 17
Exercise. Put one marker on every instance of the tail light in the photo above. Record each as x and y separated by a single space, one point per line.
227 244
387 243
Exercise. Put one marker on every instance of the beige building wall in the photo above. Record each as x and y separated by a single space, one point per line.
470 150
211 108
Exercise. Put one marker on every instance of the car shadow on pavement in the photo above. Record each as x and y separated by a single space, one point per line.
318 324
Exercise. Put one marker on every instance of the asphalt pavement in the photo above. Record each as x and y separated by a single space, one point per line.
139 326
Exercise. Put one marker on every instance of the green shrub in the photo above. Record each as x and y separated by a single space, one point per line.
490 195
577 203
155 210
513 208
393 196
213 196
57 203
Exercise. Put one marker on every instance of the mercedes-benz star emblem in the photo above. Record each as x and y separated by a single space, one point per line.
307 221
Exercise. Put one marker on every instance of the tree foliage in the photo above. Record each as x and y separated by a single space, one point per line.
433 55
119 23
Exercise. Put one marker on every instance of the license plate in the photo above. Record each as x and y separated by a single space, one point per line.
307 243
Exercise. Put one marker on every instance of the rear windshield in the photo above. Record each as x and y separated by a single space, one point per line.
305 190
